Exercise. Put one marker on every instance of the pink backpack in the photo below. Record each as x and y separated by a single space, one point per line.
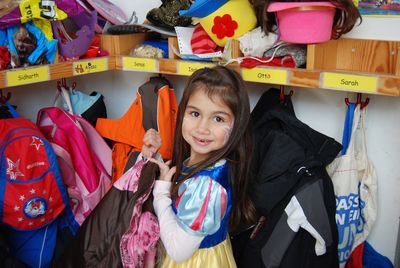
83 156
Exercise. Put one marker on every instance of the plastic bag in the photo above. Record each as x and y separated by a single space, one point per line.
36 9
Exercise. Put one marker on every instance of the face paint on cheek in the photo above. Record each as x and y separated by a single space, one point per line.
228 131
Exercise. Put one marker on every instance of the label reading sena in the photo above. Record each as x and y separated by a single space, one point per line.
139 64
359 83
188 67
27 76
265 75
90 66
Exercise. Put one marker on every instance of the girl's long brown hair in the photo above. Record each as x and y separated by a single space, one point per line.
226 84
345 18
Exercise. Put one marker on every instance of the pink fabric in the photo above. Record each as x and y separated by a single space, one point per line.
77 146
201 42
200 218
224 204
129 181
138 243
83 156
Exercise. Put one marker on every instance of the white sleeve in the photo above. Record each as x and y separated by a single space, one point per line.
179 244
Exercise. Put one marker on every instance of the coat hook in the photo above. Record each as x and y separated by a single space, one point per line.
363 104
282 94
347 101
63 83
4 98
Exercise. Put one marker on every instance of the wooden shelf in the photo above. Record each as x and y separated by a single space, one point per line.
361 82
41 73
326 69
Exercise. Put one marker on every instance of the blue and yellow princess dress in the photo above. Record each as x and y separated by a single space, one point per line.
202 208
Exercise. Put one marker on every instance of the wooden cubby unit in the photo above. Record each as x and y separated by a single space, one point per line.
372 60
355 55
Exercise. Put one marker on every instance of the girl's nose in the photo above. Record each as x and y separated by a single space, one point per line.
203 126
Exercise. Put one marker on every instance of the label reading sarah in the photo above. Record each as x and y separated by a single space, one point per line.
265 75
139 64
27 76
359 83
90 66
188 67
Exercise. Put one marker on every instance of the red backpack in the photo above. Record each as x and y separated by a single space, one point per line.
32 193
34 204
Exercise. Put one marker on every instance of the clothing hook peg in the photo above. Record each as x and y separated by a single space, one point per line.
64 82
282 94
59 85
4 98
363 104
358 98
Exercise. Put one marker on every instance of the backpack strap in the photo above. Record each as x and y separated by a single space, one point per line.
12 111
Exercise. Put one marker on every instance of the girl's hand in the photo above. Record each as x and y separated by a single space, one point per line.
166 172
151 143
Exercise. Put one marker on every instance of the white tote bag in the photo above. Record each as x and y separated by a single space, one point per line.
355 184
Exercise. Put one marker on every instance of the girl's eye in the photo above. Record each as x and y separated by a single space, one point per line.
219 119
194 114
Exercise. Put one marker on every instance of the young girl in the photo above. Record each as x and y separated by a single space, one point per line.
205 190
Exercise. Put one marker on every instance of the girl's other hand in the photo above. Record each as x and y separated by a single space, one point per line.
151 143
166 172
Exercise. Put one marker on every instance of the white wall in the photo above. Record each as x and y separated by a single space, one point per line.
323 110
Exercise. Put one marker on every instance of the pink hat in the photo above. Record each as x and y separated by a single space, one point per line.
304 22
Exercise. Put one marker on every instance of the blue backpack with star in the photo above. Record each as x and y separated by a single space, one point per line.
33 199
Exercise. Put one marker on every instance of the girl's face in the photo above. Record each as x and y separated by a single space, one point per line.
207 125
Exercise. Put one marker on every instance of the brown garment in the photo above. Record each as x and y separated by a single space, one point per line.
97 243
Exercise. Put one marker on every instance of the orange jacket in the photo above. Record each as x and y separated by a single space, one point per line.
155 107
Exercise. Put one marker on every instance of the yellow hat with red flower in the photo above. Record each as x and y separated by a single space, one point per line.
223 19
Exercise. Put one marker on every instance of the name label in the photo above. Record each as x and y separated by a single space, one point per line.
139 64
188 68
89 66
26 76
359 83
265 75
